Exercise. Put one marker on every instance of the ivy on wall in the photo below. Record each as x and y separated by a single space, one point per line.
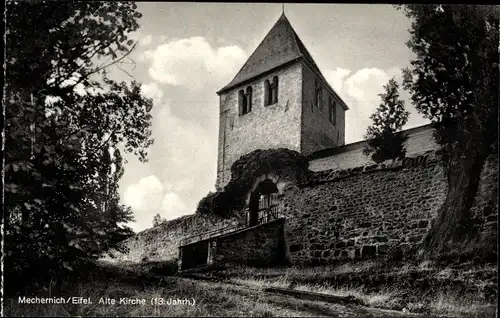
245 170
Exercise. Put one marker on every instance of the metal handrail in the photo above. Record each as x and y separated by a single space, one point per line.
273 213
211 234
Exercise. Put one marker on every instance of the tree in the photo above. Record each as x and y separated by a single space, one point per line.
384 141
157 220
62 159
453 81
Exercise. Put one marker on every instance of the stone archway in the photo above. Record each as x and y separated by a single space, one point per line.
263 205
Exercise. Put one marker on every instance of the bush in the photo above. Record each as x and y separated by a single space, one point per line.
218 203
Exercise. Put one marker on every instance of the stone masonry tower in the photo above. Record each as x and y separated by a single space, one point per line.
278 99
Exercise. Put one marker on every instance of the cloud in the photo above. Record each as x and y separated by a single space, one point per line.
173 206
147 198
143 39
181 162
145 56
152 90
367 83
337 78
185 149
140 195
193 62
360 90
146 40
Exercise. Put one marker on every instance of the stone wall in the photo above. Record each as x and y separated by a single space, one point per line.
373 210
349 156
260 245
357 212
161 243
265 127
318 132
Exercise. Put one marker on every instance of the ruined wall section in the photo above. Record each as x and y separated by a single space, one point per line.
162 242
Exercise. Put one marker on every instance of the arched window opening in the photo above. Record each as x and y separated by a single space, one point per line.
249 98
243 103
332 112
267 93
318 96
275 90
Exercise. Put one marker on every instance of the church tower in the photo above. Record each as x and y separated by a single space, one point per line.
278 99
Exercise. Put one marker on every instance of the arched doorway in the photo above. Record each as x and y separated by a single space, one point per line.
263 205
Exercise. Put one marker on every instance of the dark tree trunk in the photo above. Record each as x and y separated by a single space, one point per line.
454 230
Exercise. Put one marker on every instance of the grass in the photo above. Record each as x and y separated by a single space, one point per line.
261 283
312 272
381 299
445 303
210 300
238 291
437 298
453 304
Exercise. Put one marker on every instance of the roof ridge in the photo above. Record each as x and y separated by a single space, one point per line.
296 38
278 47
307 55
250 56
308 58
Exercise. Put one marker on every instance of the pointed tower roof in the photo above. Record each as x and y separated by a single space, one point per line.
280 46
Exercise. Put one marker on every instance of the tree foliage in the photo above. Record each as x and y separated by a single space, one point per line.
384 141
65 121
218 203
453 81
157 220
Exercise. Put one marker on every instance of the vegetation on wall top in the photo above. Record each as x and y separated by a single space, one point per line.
385 139
245 170
256 163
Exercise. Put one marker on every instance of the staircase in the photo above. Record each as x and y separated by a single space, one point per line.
264 215
210 234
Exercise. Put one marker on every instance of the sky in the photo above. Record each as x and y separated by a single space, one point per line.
188 51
